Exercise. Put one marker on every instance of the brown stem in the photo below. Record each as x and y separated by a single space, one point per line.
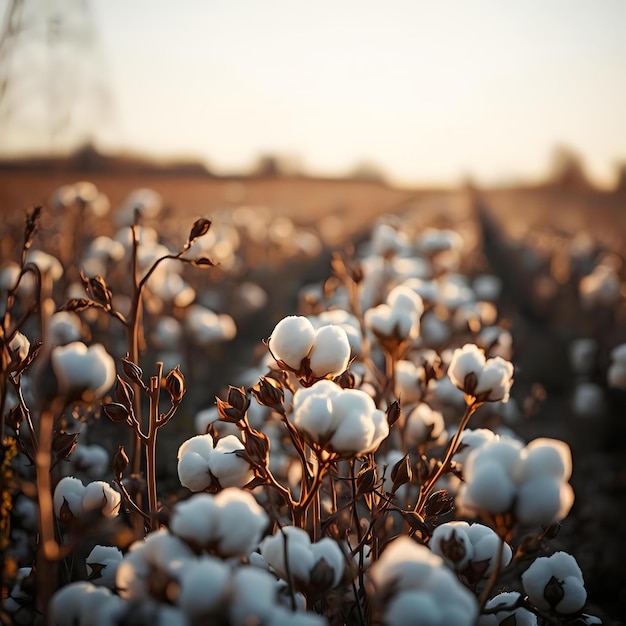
429 485
154 394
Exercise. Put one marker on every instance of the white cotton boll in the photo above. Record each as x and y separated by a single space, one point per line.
102 497
92 460
207 327
487 287
64 327
101 565
328 550
451 542
539 501
545 457
195 519
445 392
423 425
330 353
253 596
507 600
413 607
292 340
193 462
434 331
588 400
146 202
349 323
403 298
299 556
381 320
312 408
495 379
69 491
504 451
65 606
240 522
582 355
471 439
489 490
103 247
159 553
46 263
230 469
203 586
79 368
555 582
466 360
485 544
408 378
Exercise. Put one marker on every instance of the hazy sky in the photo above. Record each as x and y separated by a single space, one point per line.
429 90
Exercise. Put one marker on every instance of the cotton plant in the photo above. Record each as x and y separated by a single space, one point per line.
101 565
505 606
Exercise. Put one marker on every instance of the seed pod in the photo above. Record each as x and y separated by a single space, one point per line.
200 227
120 462
175 385
116 412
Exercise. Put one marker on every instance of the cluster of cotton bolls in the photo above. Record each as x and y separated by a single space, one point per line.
353 431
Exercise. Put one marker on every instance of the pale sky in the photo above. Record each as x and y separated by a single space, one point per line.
429 90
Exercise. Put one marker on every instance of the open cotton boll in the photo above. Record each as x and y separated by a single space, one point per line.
299 555
193 462
240 522
495 380
206 327
292 340
159 553
545 457
588 400
92 460
451 542
555 583
146 202
433 240
504 451
64 327
82 603
409 569
471 439
408 378
100 496
490 489
195 519
68 495
487 287
229 469
330 353
19 346
253 596
283 617
203 419
348 322
543 500
79 368
485 545
101 565
312 409
204 584
521 616
423 425
465 361
47 263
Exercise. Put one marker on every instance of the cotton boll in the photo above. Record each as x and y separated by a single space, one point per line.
68 497
582 355
471 439
291 340
404 608
102 497
195 520
348 322
521 616
167 333
66 604
451 542
92 460
489 489
495 380
485 544
505 452
434 331
465 361
203 586
616 375
588 400
299 555
46 263
545 457
193 462
203 419
253 596
408 377
229 469
328 550
556 583
101 565
330 353
539 501
240 522
423 425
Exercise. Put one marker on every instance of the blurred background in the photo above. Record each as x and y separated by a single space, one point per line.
418 93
